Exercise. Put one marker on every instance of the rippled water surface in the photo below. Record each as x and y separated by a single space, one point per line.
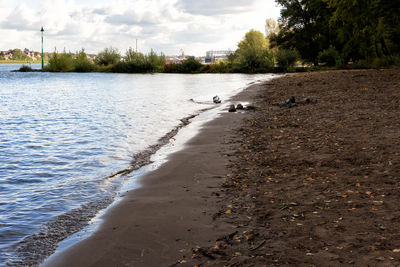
62 134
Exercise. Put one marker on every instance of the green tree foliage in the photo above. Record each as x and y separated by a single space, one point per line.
82 63
287 58
25 68
18 55
156 62
330 57
366 29
219 67
60 62
135 62
189 65
109 56
253 54
357 29
305 26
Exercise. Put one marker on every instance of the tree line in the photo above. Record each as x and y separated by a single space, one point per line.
253 55
336 32
310 34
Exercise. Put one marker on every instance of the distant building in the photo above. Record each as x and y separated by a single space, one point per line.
91 56
217 55
25 54
178 59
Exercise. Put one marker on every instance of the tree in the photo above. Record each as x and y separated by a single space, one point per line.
109 56
271 27
253 53
60 62
305 26
82 63
366 29
157 63
18 55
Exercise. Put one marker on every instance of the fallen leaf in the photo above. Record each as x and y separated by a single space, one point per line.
228 211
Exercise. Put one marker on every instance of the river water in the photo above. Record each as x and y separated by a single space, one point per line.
62 135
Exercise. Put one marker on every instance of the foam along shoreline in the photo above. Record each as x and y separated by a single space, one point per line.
150 160
171 211
61 227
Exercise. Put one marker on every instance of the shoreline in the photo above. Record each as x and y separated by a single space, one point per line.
72 222
152 212
309 184
68 219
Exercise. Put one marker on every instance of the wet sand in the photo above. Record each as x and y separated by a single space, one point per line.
172 212
312 185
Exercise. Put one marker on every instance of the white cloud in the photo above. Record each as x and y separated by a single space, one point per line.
164 25
20 19
216 7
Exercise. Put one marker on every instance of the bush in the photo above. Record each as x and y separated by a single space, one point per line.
286 58
253 61
157 63
25 68
362 64
108 56
330 57
133 63
138 63
189 65
219 67
393 60
82 63
60 62
387 61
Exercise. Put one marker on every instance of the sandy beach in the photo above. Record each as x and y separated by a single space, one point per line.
313 184
172 212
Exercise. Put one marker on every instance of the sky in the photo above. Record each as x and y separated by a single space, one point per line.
167 26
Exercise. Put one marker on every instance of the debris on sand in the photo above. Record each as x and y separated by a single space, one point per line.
291 102
216 99
315 187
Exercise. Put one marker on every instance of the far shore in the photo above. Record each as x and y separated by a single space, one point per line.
19 62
